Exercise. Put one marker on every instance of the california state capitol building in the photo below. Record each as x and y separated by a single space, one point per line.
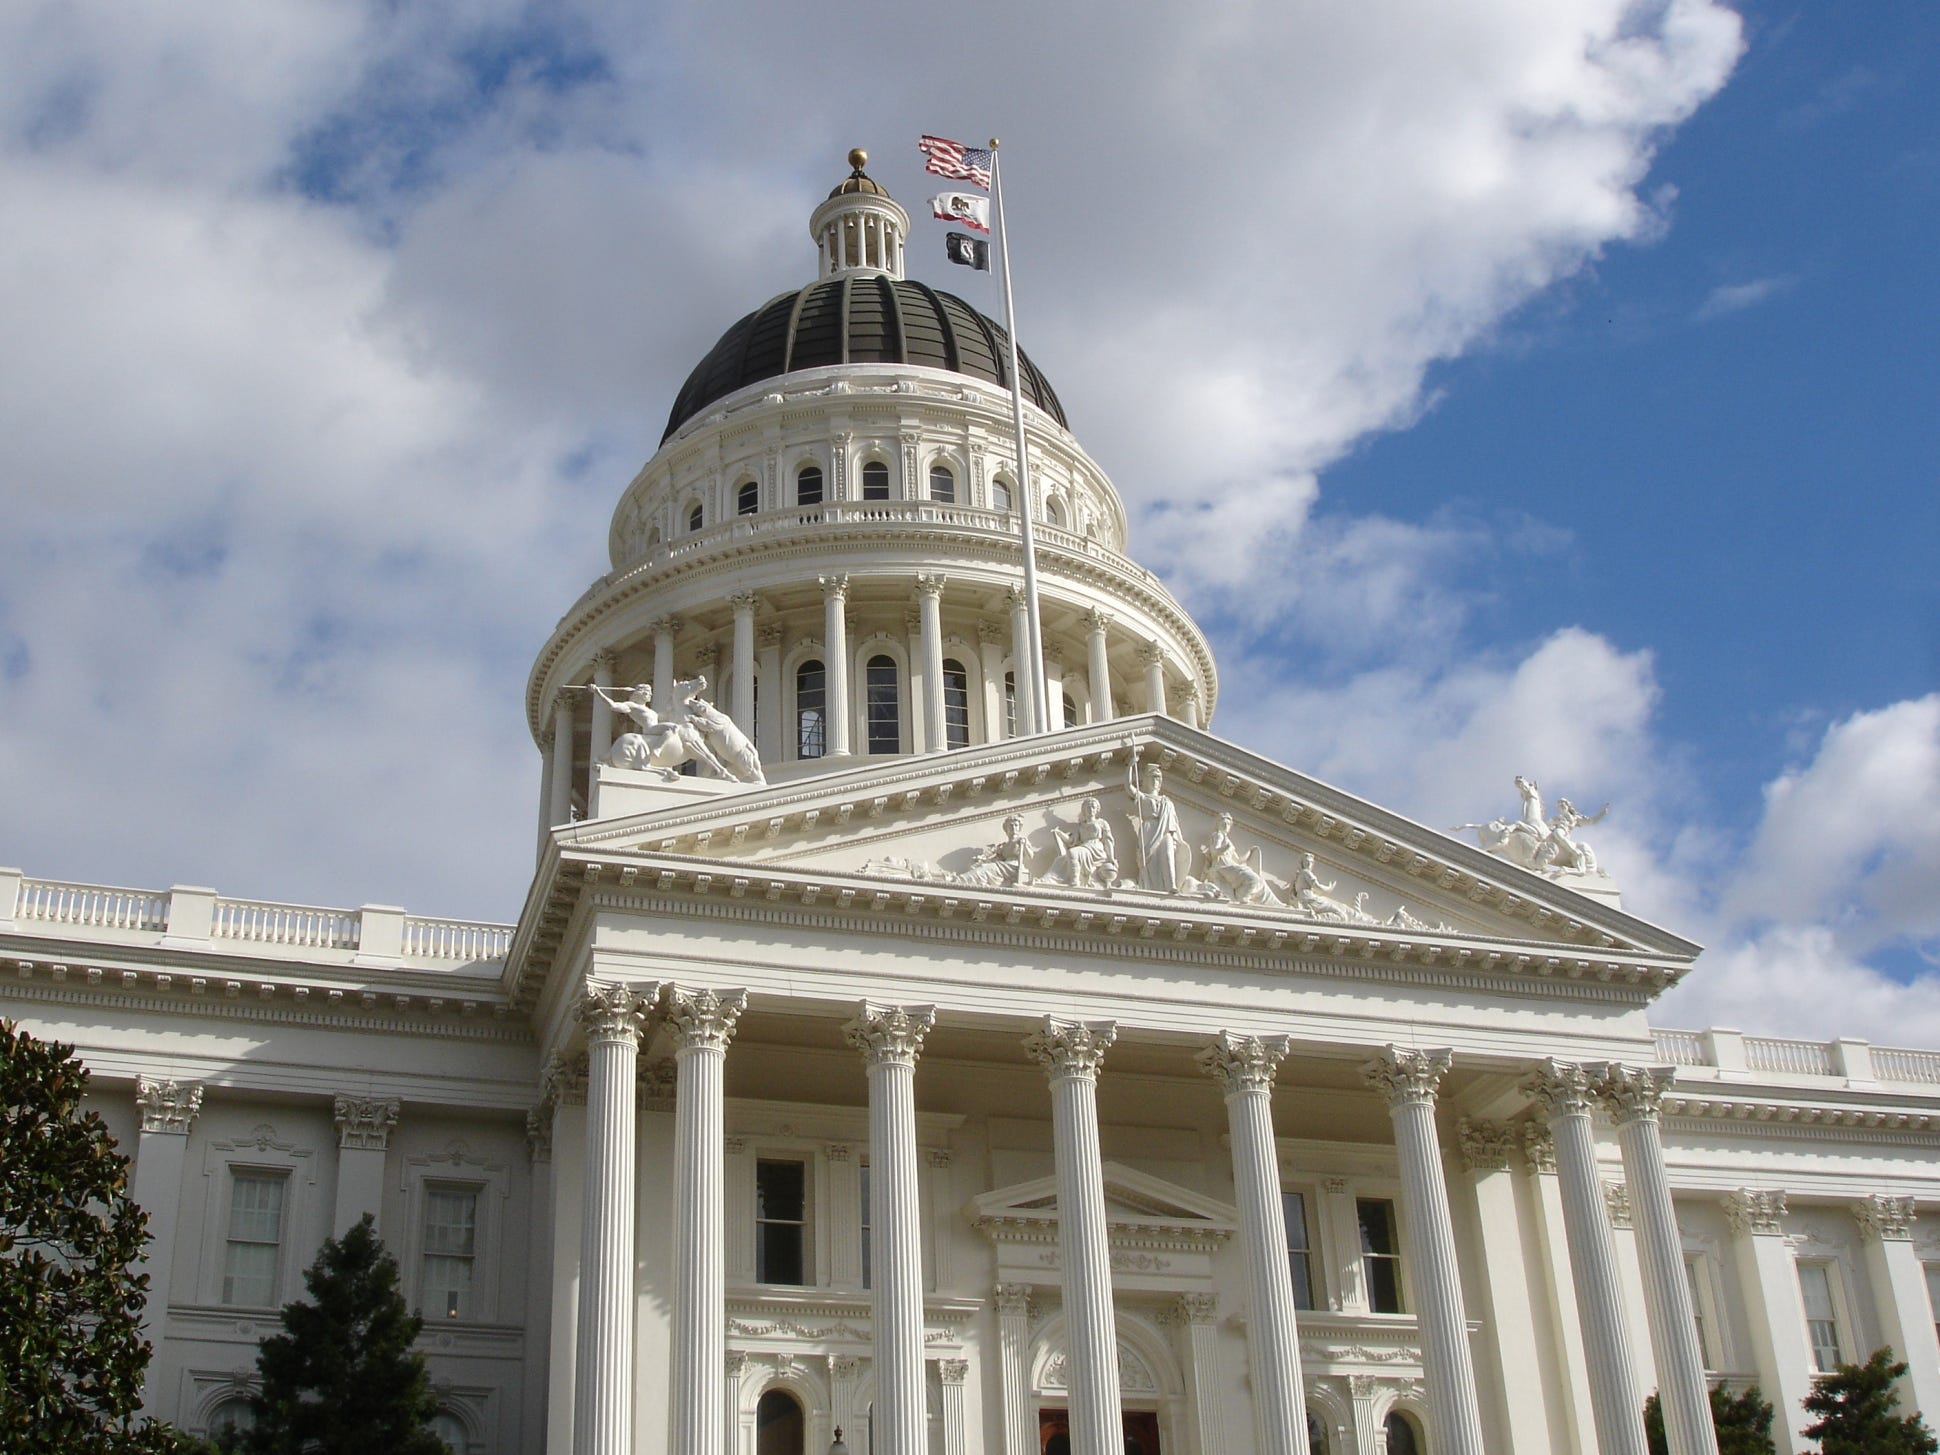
899 1041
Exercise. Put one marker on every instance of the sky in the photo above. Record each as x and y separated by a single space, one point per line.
1565 371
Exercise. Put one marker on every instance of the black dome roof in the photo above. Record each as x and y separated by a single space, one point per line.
861 318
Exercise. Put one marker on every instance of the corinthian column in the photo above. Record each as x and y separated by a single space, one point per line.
1098 664
614 1017
1563 1092
929 609
741 687
1022 673
1244 1066
890 1038
835 666
1154 662
1408 1079
664 630
602 740
703 1023
1070 1053
1633 1095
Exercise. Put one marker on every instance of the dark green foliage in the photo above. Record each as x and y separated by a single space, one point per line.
71 1351
1855 1405
1743 1422
342 1377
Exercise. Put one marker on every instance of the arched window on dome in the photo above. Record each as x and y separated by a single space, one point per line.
943 485
696 517
956 704
811 710
808 485
1000 495
1054 511
1403 1434
779 1425
875 481
883 706
747 500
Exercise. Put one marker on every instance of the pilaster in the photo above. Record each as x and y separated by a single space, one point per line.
1774 1307
168 1111
363 1134
1488 1148
1899 1290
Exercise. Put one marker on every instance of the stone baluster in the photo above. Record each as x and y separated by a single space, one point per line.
1244 1066
1408 1079
835 664
891 1038
1098 664
929 609
602 741
1070 1052
1020 658
1563 1092
741 687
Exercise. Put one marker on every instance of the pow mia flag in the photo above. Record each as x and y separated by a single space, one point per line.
972 252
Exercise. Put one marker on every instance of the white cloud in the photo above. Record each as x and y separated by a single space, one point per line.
1736 297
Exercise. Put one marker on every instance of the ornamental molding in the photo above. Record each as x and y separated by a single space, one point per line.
1148 1220
1485 1145
1884 1219
890 1035
1244 1063
538 1133
167 1106
364 1122
1856 1123
1406 1077
1616 1202
1538 1147
1755 1212
562 1081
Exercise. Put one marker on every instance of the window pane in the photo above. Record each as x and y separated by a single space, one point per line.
1821 1323
1070 710
875 481
956 704
449 1428
1380 1262
1401 1435
1000 496
1010 704
1695 1283
255 1235
695 518
885 719
748 499
810 698
1293 1212
450 1243
780 1206
808 487
943 485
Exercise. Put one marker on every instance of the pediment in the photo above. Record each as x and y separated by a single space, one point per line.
1134 1200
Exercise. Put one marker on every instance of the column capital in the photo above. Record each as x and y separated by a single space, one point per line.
844 1366
931 583
616 1012
1070 1048
704 1019
1013 1298
538 1133
1243 1063
1197 1308
890 1035
1485 1145
604 661
667 625
1014 597
1408 1078
1560 1088
365 1122
563 1081
768 636
745 603
1538 1146
992 634
1152 654
1884 1219
1616 1201
1632 1093
836 586
167 1106
1096 618
1755 1211
952 1371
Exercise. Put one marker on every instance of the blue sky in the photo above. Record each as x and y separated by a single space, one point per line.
1526 385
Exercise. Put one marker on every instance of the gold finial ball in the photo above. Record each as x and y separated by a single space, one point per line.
858 159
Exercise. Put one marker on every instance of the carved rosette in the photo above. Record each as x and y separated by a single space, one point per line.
615 1013
364 1122
1243 1063
1068 1049
1485 1145
1881 1218
1408 1078
890 1034
1560 1088
1616 1201
1538 1147
563 1081
704 1019
1755 1211
538 1133
167 1106
1633 1093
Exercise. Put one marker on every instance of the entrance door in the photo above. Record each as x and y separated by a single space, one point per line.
1141 1432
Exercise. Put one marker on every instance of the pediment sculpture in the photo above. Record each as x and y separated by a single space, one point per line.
689 730
1546 846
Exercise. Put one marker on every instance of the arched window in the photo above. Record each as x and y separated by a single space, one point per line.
885 717
232 1414
779 1428
653 537
1053 511
1317 1441
449 1428
1404 1436
875 481
696 517
747 500
808 485
1070 710
943 485
1000 495
811 703
956 704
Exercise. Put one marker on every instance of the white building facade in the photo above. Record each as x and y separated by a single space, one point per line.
968 1084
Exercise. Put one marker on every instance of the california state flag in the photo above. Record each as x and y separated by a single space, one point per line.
964 207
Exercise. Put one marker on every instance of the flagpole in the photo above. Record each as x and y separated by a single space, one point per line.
1033 672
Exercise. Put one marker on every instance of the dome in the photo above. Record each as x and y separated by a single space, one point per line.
857 318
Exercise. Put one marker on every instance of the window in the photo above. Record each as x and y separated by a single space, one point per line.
747 500
1293 1211
885 716
1010 704
811 700
232 1414
956 704
449 1428
943 485
1054 512
875 481
1821 1315
450 1250
808 486
781 1222
868 1242
1694 1278
1000 495
1380 1255
1402 1436
779 1427
696 517
1070 709
1317 1443
255 1238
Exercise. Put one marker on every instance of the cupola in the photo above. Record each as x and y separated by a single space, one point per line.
860 228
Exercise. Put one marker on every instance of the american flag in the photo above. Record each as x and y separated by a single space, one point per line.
953 159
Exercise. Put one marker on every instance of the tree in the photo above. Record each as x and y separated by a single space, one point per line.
72 1355
342 1377
1743 1423
1855 1405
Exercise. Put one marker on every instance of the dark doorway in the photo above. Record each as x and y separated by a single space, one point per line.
1141 1432
779 1428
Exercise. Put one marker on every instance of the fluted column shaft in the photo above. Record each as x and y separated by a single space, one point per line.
559 777
614 1017
929 610
1408 1079
1098 664
835 666
741 687
891 1038
1070 1052
1020 656
703 1023
663 661
602 739
1563 1090
1154 661
1244 1066
1634 1095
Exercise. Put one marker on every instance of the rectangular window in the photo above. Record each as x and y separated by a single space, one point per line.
255 1239
1694 1280
1293 1211
450 1250
1380 1254
1821 1315
868 1242
956 704
781 1222
811 695
884 708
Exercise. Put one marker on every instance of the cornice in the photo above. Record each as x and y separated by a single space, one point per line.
1755 1116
